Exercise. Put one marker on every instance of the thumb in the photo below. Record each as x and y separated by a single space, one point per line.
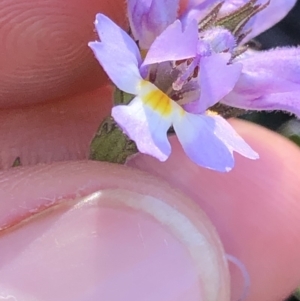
91 231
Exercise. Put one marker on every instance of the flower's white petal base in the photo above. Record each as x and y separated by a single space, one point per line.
147 127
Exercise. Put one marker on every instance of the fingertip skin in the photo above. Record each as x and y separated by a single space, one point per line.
44 52
68 218
254 207
53 131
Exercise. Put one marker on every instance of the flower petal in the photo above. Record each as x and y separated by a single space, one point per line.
286 101
148 18
270 80
196 134
118 54
111 33
272 14
209 141
197 10
147 127
181 44
226 133
216 80
195 3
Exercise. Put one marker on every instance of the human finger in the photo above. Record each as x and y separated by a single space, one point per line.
44 53
53 131
90 230
254 207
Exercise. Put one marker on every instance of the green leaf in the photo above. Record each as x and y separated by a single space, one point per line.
295 139
232 20
121 97
110 144
17 162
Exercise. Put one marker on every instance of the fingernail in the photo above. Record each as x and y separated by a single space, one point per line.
114 245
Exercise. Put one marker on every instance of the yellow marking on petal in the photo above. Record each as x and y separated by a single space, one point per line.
211 113
156 99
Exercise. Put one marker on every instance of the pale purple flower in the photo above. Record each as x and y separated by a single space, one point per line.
269 80
207 139
188 70
148 18
210 53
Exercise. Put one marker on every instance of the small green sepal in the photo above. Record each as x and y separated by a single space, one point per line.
110 144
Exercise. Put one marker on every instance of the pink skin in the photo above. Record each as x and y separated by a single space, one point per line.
80 252
86 250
